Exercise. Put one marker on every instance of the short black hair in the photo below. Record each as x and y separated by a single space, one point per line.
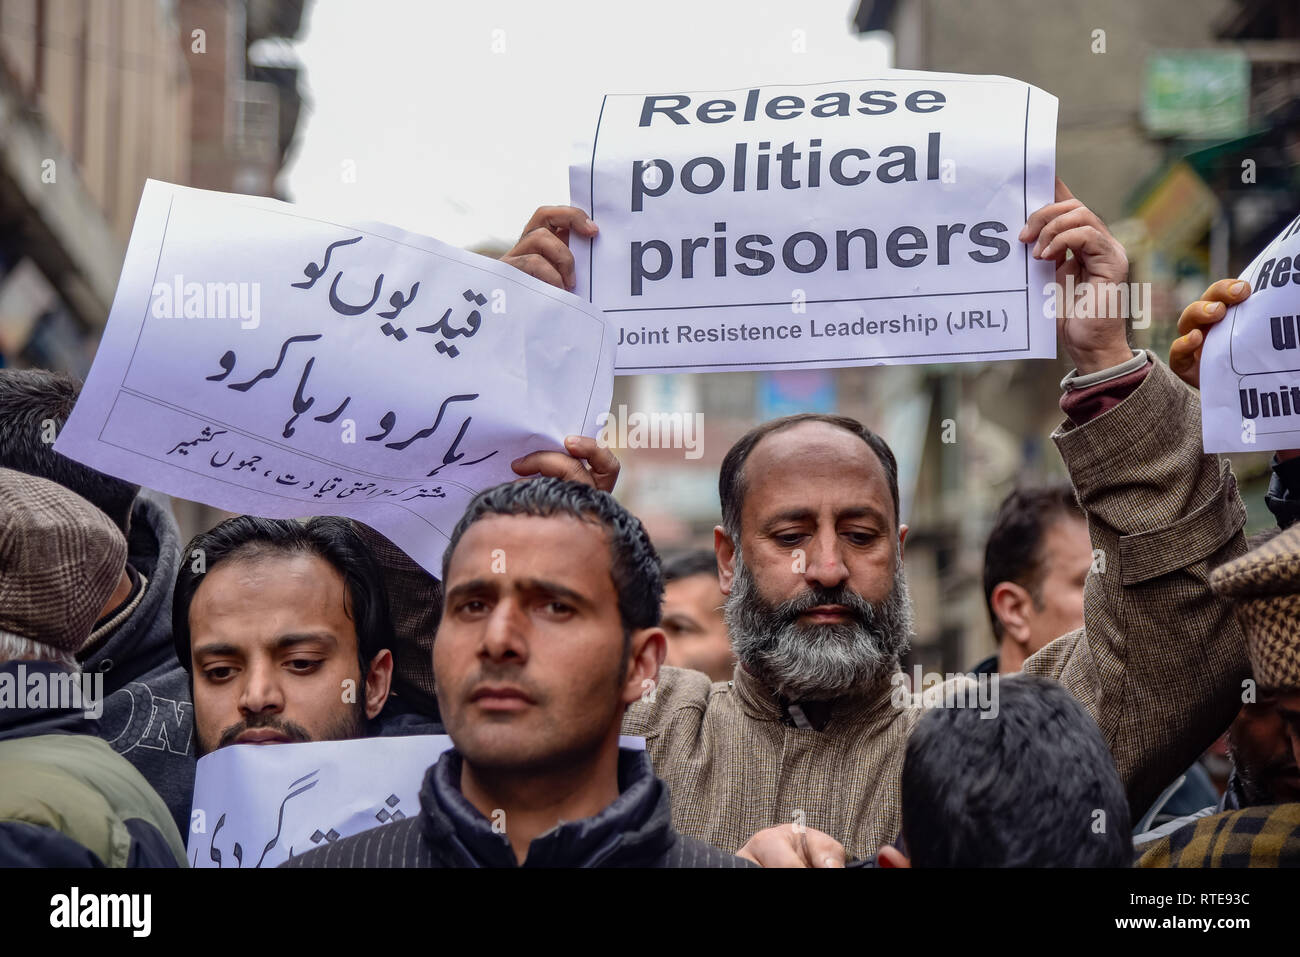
28 399
1022 788
731 478
633 562
1014 552
688 564
331 538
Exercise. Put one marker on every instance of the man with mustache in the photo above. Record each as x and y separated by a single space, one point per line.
285 629
1264 588
697 632
810 735
550 628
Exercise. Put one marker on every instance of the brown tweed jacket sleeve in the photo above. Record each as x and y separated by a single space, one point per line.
1160 661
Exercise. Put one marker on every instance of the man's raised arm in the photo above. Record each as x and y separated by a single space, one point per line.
1159 662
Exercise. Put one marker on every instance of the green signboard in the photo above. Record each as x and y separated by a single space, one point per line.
1197 93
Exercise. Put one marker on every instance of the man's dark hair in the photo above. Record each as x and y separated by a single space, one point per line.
29 398
333 539
633 562
1014 552
731 479
1033 786
688 564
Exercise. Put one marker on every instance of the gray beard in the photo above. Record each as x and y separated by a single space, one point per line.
818 662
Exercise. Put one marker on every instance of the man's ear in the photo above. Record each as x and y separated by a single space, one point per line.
649 646
379 680
902 537
890 856
1013 605
725 549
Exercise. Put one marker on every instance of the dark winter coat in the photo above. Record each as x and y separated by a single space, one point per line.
634 831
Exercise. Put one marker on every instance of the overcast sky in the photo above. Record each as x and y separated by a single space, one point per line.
456 140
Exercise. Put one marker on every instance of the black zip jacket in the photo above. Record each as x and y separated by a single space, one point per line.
634 831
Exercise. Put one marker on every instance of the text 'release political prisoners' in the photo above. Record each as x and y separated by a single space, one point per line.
846 223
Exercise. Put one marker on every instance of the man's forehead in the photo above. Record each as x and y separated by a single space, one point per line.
559 547
298 577
809 460
254 602
702 585
1066 537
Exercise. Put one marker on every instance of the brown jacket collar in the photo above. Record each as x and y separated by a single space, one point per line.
871 708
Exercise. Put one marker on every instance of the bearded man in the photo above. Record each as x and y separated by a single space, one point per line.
802 751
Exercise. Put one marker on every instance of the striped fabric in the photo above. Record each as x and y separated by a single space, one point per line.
1252 837
1158 664
398 844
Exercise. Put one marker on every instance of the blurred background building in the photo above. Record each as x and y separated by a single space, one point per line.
97 97
1179 124
1160 113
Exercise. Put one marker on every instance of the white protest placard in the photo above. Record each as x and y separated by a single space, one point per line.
257 805
263 359
1250 363
849 223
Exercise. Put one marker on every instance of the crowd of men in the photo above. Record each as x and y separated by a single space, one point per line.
765 676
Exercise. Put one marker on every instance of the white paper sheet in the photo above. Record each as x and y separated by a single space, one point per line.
263 359
254 805
1250 364
715 253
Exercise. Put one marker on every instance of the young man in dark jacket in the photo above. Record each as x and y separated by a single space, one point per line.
543 643
148 718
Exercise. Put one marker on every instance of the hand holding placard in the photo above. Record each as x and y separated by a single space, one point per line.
1250 362
1093 337
1195 323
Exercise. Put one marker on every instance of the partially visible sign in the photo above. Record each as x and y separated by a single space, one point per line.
258 805
1250 364
1177 213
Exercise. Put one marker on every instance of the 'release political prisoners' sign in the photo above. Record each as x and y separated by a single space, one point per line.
850 223
262 359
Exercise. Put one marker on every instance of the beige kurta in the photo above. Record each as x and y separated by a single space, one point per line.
1158 663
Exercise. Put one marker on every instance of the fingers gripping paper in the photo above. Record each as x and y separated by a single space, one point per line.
1250 364
260 359
836 224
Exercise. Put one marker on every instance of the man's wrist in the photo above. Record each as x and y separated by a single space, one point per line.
1079 379
1086 363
